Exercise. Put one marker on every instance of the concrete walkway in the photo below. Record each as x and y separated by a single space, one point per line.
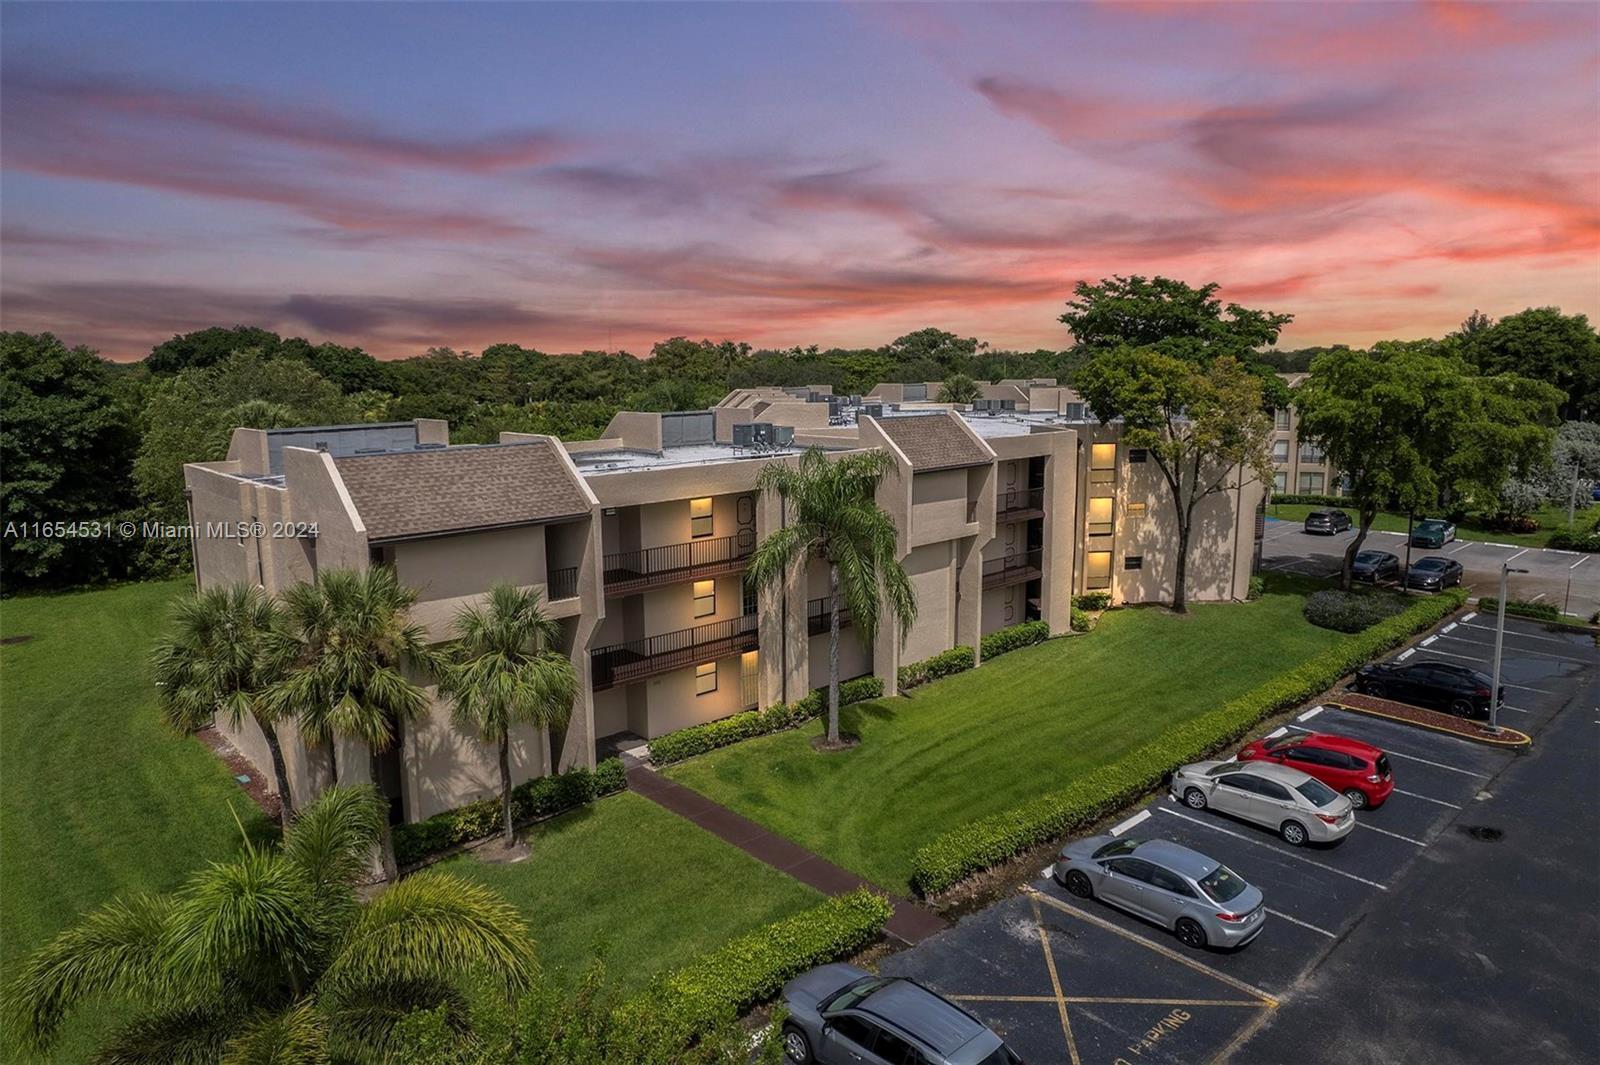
911 922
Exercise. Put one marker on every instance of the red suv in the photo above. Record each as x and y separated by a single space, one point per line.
1358 769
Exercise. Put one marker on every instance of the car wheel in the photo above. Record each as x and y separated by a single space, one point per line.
1079 885
1190 934
1194 799
1373 688
1462 707
796 1047
1293 833
1357 797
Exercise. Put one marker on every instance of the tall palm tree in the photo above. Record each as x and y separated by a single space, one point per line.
355 641
503 673
271 957
225 650
834 516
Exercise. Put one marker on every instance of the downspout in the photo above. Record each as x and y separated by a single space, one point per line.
194 549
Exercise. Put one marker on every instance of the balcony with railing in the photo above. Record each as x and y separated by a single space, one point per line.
1019 504
562 583
1013 569
655 567
818 619
623 663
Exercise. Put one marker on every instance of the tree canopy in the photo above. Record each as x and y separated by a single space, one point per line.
1539 343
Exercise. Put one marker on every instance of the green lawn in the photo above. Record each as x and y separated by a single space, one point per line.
653 889
1550 519
99 797
984 741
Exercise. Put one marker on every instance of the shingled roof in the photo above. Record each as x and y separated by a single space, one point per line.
429 493
935 441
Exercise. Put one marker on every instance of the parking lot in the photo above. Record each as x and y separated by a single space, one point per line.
1569 579
1075 981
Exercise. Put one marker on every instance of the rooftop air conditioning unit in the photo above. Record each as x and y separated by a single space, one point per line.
783 435
744 434
761 432
872 410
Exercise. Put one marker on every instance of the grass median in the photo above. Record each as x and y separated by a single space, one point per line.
1551 520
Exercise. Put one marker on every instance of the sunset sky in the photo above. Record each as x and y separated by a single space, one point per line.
400 176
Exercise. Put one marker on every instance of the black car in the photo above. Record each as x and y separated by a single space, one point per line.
1459 690
1433 573
1327 522
1375 566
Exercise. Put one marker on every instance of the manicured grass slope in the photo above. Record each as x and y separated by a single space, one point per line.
984 741
656 889
99 798
1551 519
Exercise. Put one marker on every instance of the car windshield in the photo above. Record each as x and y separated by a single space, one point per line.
1223 884
1430 526
1117 848
1318 792
850 994
1320 514
1282 743
1222 767
1428 563
1370 556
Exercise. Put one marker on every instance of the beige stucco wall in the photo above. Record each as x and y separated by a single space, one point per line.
447 766
932 571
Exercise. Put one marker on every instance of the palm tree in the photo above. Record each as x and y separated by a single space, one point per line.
354 643
835 517
503 673
226 648
959 388
271 957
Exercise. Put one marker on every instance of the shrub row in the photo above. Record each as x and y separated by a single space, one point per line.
988 841
1567 540
1521 608
755 966
1092 600
698 739
1314 501
1012 637
532 799
943 664
1350 611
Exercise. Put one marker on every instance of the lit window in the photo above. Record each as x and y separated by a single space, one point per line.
1102 463
1136 511
1098 569
1100 516
705 678
700 517
1133 562
705 598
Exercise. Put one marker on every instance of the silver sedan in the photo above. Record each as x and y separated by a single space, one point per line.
1299 808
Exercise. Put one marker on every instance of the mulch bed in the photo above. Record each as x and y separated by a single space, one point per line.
239 766
1476 731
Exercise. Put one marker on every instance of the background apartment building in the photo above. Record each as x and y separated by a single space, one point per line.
1299 467
639 542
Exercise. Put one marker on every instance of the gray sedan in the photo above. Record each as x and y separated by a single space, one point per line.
1201 900
1299 808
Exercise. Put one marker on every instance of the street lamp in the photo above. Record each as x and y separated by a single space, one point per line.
1499 641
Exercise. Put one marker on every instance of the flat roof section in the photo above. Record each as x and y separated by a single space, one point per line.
622 460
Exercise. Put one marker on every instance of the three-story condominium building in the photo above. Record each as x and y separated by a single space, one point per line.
639 542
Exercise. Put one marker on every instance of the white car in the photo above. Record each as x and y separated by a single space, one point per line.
1299 808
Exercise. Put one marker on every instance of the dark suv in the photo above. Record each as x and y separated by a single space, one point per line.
1462 691
1327 522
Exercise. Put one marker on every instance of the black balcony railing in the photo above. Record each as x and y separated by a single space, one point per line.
563 582
621 663
817 616
1013 569
652 567
1020 504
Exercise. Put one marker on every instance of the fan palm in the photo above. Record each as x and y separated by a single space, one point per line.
503 673
225 650
355 642
835 517
271 957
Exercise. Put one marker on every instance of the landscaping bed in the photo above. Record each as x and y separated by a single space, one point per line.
1405 713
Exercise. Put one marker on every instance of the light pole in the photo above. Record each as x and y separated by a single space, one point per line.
1499 641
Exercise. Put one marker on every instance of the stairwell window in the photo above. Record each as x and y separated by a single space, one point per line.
1102 463
700 523
705 678
705 598
1097 570
1100 516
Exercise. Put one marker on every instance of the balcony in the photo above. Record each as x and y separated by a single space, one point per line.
1020 504
1015 569
655 567
817 617
623 663
563 582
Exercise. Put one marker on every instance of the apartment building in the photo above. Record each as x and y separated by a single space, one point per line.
639 542
1299 467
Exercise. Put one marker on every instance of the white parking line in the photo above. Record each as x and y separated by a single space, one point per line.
1521 651
1426 798
1452 654
1298 921
1536 598
1407 653
1138 818
1525 688
1275 733
1386 832
1580 562
1468 617
1519 635
1309 714
1462 546
1516 556
1436 765
1270 847
1518 709
1447 628
1429 640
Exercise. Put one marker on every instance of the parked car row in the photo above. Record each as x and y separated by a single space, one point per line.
1430 532
1431 573
1459 690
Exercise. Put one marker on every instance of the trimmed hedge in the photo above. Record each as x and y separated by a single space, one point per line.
1079 621
1567 540
1314 501
943 664
755 966
1522 608
1350 611
540 797
1013 637
698 739
1092 601
991 840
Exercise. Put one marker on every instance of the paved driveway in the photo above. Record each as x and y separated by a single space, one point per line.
1073 981
1569 579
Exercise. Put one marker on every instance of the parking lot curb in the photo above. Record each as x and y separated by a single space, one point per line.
1509 738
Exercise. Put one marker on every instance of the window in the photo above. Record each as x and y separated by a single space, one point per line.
705 678
705 598
1133 562
1172 882
1098 569
1137 454
1280 451
1316 791
1102 463
1280 482
700 523
1223 884
1136 511
894 1050
1271 789
854 1029
1100 516
1311 483
1242 782
1280 418
1312 454
1117 847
